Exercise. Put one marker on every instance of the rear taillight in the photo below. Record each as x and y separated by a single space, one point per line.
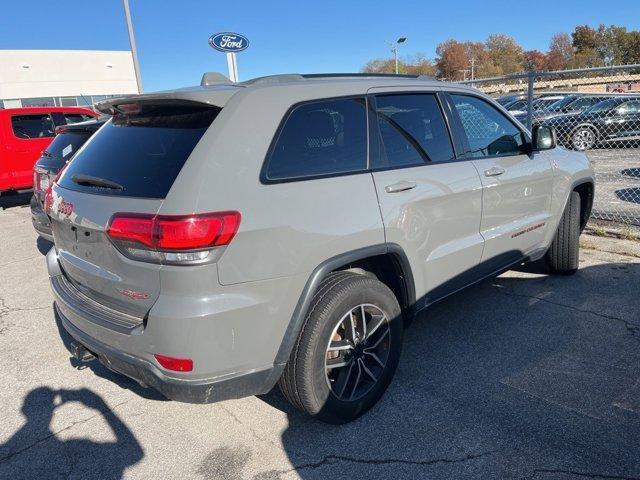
41 181
172 239
48 200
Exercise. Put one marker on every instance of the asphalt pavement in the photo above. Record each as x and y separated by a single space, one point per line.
523 376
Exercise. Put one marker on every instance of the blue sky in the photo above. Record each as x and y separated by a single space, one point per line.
288 36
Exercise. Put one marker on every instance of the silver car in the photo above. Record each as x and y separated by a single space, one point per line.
214 241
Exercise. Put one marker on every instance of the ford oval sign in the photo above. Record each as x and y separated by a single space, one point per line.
228 42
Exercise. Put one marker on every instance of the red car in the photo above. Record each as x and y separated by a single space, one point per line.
24 134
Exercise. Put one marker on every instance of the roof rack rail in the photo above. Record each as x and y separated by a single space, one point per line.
214 78
364 74
292 77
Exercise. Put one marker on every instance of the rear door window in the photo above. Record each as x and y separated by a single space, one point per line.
141 152
412 131
320 138
32 126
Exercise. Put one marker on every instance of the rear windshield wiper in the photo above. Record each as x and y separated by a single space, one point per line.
89 181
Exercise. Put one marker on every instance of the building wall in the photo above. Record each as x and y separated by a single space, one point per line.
29 74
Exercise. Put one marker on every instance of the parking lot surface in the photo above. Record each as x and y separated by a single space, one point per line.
617 184
522 376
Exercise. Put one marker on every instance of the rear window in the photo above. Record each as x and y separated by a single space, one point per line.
66 144
140 153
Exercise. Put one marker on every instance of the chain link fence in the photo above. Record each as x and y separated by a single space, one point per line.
596 111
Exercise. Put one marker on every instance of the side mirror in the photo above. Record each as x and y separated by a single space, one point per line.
544 138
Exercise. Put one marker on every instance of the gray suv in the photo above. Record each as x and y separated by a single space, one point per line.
214 241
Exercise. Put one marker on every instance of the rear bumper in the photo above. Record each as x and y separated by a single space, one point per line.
148 375
39 219
127 348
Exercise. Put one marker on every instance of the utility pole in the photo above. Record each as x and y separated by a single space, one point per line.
132 43
473 68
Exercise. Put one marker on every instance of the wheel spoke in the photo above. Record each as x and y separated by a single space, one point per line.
338 345
382 335
363 317
357 382
338 362
343 381
376 321
375 357
367 371
352 328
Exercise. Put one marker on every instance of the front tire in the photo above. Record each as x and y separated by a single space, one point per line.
348 349
563 255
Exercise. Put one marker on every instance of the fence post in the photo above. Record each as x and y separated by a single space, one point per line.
530 78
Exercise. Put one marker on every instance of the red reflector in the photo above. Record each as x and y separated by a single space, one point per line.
175 364
166 232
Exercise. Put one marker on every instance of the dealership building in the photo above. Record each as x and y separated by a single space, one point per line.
64 77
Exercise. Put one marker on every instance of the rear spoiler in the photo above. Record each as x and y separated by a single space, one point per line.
215 96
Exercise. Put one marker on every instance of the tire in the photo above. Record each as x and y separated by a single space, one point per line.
337 395
563 255
583 138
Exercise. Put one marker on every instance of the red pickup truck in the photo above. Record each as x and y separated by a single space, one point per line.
24 133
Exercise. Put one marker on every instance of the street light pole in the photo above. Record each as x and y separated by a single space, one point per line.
132 43
395 53
394 49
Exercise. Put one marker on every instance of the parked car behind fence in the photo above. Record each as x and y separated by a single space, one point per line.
609 133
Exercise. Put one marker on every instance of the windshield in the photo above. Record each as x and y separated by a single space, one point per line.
141 153
543 104
602 106
560 104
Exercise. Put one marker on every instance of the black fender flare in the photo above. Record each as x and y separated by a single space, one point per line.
321 271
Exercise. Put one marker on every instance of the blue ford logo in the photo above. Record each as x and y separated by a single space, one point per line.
228 42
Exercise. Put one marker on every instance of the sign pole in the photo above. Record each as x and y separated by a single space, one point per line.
232 64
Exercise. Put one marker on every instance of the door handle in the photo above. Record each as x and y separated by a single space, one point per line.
401 186
494 172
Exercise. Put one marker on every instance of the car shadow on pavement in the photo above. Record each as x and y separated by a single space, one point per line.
531 376
51 456
10 200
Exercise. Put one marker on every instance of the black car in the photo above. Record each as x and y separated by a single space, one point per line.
574 103
612 121
69 138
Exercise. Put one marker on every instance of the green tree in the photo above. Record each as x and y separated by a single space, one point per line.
505 53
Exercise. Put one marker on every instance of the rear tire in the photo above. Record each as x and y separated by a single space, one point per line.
563 255
341 366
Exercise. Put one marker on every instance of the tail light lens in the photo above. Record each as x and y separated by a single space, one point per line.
175 364
41 181
172 239
48 200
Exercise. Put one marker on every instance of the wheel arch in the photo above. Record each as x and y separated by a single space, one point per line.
359 258
586 190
